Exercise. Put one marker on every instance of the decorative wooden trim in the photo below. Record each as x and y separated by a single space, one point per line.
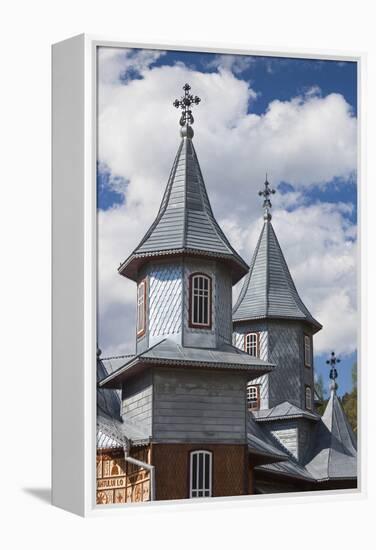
257 342
305 335
190 303
141 332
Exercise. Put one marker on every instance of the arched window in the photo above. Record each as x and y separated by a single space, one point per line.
251 344
253 397
141 308
200 300
308 398
200 474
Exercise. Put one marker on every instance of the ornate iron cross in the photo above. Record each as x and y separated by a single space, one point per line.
267 203
332 362
185 103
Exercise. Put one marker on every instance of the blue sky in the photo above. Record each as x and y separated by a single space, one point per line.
268 93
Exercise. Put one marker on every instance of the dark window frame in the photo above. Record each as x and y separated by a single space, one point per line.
191 323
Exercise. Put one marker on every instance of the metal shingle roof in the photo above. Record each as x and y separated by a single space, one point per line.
185 223
268 290
282 411
288 468
334 454
260 443
108 402
167 352
112 432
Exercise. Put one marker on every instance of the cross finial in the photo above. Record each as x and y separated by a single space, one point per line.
266 192
185 103
333 375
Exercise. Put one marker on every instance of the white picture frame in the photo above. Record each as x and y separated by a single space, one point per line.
74 265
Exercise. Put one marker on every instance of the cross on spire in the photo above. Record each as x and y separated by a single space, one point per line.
185 103
267 191
333 375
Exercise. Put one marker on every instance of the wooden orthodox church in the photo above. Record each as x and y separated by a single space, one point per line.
215 401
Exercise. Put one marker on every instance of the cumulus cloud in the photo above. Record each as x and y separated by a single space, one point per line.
237 64
307 141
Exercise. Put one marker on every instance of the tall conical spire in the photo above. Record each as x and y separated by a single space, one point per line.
269 290
185 223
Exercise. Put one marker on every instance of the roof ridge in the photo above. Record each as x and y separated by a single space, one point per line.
185 222
267 224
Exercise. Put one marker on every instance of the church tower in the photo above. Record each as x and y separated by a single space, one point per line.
271 322
185 388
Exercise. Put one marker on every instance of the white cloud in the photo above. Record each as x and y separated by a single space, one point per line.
237 64
306 141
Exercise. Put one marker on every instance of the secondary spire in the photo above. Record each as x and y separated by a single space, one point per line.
185 103
266 192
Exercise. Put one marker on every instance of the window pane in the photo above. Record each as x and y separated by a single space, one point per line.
200 299
194 471
207 471
200 470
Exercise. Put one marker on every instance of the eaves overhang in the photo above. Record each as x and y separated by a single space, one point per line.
131 267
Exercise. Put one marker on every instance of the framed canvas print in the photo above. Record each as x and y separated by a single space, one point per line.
205 317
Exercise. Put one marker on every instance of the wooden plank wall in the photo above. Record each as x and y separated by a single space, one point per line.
199 405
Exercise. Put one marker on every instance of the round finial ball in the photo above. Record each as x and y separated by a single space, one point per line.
186 131
333 386
99 352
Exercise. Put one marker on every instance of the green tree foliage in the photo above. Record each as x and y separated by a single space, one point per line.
350 400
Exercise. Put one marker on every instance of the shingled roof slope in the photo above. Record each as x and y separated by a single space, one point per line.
261 444
334 453
282 411
185 222
268 290
169 353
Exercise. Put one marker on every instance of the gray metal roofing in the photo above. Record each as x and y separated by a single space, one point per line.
108 401
116 433
333 454
167 352
287 468
112 432
260 443
284 410
268 290
185 222
113 363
